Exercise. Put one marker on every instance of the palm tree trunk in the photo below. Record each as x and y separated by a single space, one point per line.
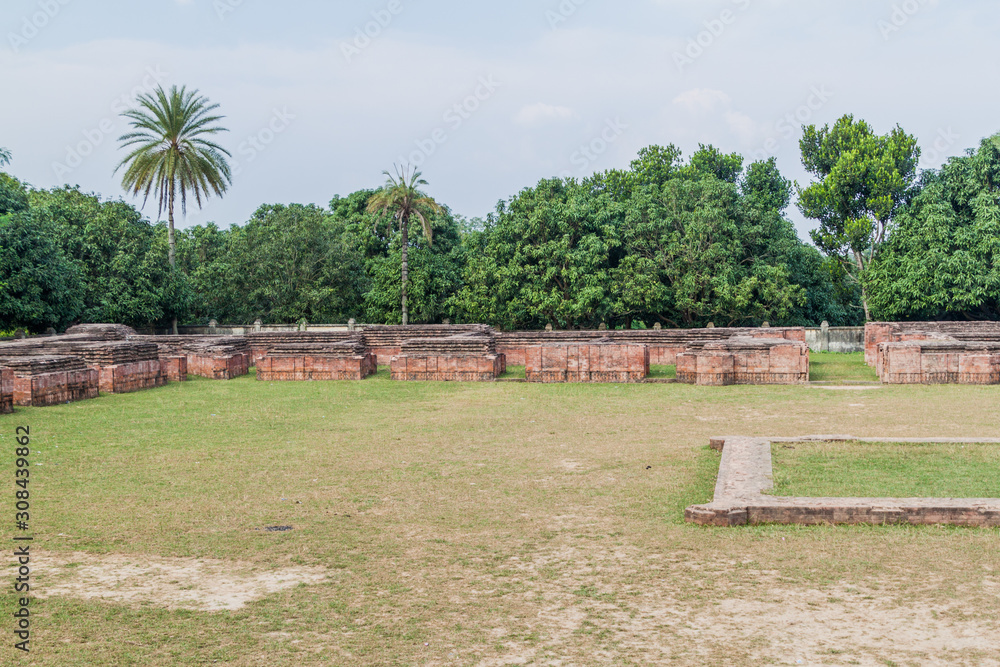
406 243
171 241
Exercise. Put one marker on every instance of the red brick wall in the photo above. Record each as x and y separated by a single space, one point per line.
586 363
126 378
448 368
909 362
781 364
6 391
55 388
226 367
175 368
307 368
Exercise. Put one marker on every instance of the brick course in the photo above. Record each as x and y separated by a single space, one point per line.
593 362
745 361
127 378
447 368
51 380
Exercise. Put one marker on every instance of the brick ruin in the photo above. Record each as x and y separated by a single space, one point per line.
664 344
344 360
6 391
746 475
934 352
260 343
41 380
745 360
387 341
467 357
600 360
213 357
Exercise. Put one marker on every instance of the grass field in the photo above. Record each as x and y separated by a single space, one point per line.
476 524
831 367
877 470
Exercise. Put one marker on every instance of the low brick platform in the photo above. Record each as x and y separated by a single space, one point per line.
6 391
939 361
600 361
469 357
664 344
387 341
314 362
745 361
127 378
213 357
896 332
261 343
745 475
39 381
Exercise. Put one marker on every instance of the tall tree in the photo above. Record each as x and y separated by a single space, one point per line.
863 180
402 199
171 153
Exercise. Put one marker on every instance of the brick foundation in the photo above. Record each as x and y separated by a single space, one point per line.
218 367
896 332
126 378
175 368
280 368
55 388
6 391
745 475
448 368
597 362
745 361
938 362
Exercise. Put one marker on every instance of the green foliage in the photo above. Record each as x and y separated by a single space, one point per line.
5 156
942 260
862 181
13 195
39 286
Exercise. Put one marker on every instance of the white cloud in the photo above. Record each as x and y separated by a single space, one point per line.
703 99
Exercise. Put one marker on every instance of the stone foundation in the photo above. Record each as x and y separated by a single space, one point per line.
126 378
280 368
745 475
596 362
745 361
448 368
6 391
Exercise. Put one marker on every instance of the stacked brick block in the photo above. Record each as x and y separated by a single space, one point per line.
213 357
462 358
898 332
38 381
744 360
261 343
387 341
349 360
6 390
597 361
664 345
938 361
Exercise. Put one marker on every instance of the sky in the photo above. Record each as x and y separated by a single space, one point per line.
485 98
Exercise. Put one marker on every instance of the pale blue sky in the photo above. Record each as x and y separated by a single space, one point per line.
565 87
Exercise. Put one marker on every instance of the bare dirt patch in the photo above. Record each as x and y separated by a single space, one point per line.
173 583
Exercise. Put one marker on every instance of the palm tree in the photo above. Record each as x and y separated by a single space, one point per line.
4 156
401 197
171 153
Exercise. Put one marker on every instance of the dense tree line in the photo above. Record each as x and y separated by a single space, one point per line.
671 241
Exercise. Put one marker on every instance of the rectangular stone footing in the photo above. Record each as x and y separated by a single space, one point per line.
127 378
448 368
56 388
312 368
227 367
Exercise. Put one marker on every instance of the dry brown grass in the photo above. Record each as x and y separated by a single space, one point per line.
493 525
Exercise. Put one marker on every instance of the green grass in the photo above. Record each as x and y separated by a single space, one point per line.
477 523
663 372
832 367
514 373
866 469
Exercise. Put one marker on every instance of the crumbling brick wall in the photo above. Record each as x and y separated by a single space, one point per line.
349 360
594 362
468 357
39 381
745 361
938 361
